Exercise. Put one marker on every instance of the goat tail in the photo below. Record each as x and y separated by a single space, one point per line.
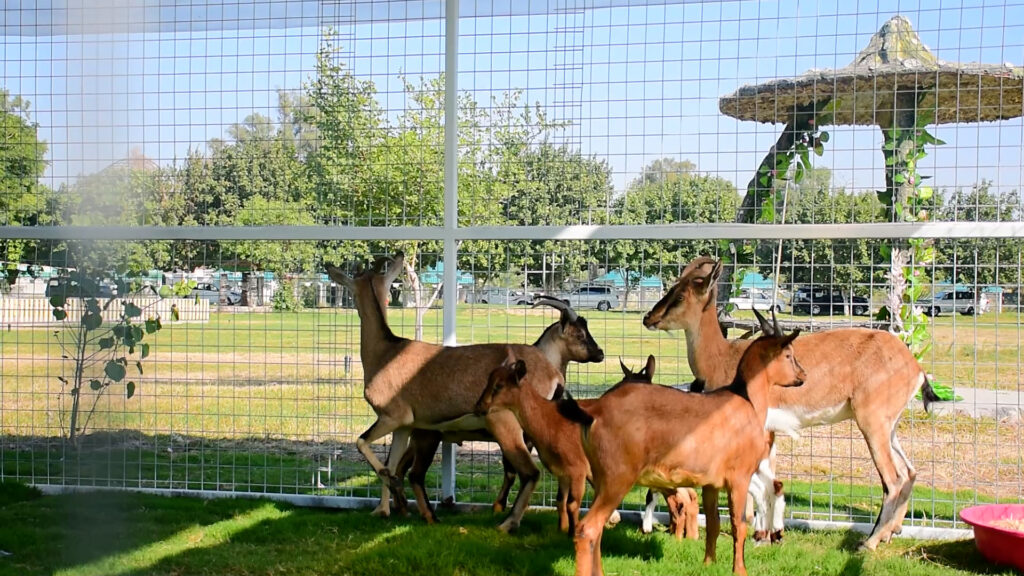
570 409
928 394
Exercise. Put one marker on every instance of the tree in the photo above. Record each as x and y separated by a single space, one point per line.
974 261
684 197
24 200
664 170
134 191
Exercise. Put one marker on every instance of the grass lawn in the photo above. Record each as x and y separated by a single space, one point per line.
132 534
256 402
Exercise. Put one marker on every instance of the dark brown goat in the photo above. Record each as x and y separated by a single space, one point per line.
659 437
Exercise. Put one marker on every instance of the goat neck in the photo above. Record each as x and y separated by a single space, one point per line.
711 356
554 348
373 325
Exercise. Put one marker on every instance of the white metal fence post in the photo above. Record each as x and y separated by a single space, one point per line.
451 210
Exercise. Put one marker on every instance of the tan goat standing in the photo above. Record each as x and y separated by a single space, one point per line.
414 384
852 373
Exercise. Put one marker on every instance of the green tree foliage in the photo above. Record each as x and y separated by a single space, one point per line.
23 199
973 261
837 262
131 192
668 191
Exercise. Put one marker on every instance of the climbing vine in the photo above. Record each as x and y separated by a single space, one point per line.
808 138
907 199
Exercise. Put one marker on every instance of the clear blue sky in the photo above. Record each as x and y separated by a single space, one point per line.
638 82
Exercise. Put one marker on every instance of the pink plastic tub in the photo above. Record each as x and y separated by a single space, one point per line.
1000 545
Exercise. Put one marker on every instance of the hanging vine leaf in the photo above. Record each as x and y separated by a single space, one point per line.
107 342
129 390
95 385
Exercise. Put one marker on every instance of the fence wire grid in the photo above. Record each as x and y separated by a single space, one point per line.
208 159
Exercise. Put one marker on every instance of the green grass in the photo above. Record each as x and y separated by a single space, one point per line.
120 534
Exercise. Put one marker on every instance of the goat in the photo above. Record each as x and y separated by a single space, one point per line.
568 339
659 437
863 374
681 502
558 442
413 384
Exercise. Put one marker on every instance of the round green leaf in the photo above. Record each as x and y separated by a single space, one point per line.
58 301
131 310
114 370
95 385
107 342
60 313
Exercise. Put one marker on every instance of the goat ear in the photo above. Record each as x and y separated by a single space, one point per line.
649 369
519 369
340 277
510 357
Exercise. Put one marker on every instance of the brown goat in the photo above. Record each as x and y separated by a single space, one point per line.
567 340
663 438
557 439
413 384
866 375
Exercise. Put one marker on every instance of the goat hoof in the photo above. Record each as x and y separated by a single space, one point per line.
776 537
867 546
381 512
497 507
448 502
761 537
614 519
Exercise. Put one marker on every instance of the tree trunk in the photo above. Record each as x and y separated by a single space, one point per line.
904 117
756 191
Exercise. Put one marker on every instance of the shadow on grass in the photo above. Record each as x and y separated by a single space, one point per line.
352 542
961 555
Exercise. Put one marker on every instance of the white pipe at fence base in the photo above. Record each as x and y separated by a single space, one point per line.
359 503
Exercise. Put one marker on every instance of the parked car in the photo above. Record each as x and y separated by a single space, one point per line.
818 301
211 293
65 286
949 301
600 297
754 299
498 295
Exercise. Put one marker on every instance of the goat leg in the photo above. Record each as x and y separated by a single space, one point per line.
379 429
713 523
737 500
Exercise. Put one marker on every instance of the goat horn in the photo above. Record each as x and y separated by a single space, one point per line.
775 323
567 312
625 371
767 328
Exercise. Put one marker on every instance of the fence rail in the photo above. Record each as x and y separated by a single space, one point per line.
37 311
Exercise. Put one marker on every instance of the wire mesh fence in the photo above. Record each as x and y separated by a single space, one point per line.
200 165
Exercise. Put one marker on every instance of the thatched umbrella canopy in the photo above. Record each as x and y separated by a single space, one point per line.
892 79
893 62
879 88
